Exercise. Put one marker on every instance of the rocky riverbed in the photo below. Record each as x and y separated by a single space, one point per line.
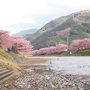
50 80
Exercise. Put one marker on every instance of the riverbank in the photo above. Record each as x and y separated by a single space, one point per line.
50 80
55 73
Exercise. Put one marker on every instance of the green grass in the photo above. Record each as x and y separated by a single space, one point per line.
83 52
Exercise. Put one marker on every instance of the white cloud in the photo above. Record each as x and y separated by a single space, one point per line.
19 14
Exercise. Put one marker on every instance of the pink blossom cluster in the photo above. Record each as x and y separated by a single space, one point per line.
22 44
8 41
74 46
5 39
80 44
50 50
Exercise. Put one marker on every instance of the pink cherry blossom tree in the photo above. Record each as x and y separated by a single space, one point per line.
50 50
21 44
61 47
80 44
5 39
8 42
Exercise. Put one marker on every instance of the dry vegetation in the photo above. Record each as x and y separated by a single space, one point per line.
7 61
32 60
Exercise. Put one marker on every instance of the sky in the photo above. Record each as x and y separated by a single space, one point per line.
17 15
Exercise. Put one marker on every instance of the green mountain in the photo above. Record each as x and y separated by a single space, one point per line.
62 29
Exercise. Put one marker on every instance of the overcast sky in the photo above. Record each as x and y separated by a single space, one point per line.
17 15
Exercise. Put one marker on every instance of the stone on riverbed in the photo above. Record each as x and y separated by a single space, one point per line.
52 81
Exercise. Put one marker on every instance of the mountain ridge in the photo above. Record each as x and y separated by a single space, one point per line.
27 31
77 25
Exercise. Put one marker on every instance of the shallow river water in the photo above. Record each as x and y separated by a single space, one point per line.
70 65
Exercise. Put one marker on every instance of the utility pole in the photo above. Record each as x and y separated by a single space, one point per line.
68 38
68 42
88 33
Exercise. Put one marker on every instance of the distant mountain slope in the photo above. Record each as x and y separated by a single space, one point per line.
73 26
25 32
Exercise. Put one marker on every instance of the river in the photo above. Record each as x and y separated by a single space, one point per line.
70 65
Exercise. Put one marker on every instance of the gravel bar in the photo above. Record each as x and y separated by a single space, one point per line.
50 80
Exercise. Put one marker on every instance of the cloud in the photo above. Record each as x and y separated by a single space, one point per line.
16 15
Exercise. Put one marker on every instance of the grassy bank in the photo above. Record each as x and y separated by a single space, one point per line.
7 61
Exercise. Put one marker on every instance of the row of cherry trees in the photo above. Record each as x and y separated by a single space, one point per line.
74 46
9 42
50 50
